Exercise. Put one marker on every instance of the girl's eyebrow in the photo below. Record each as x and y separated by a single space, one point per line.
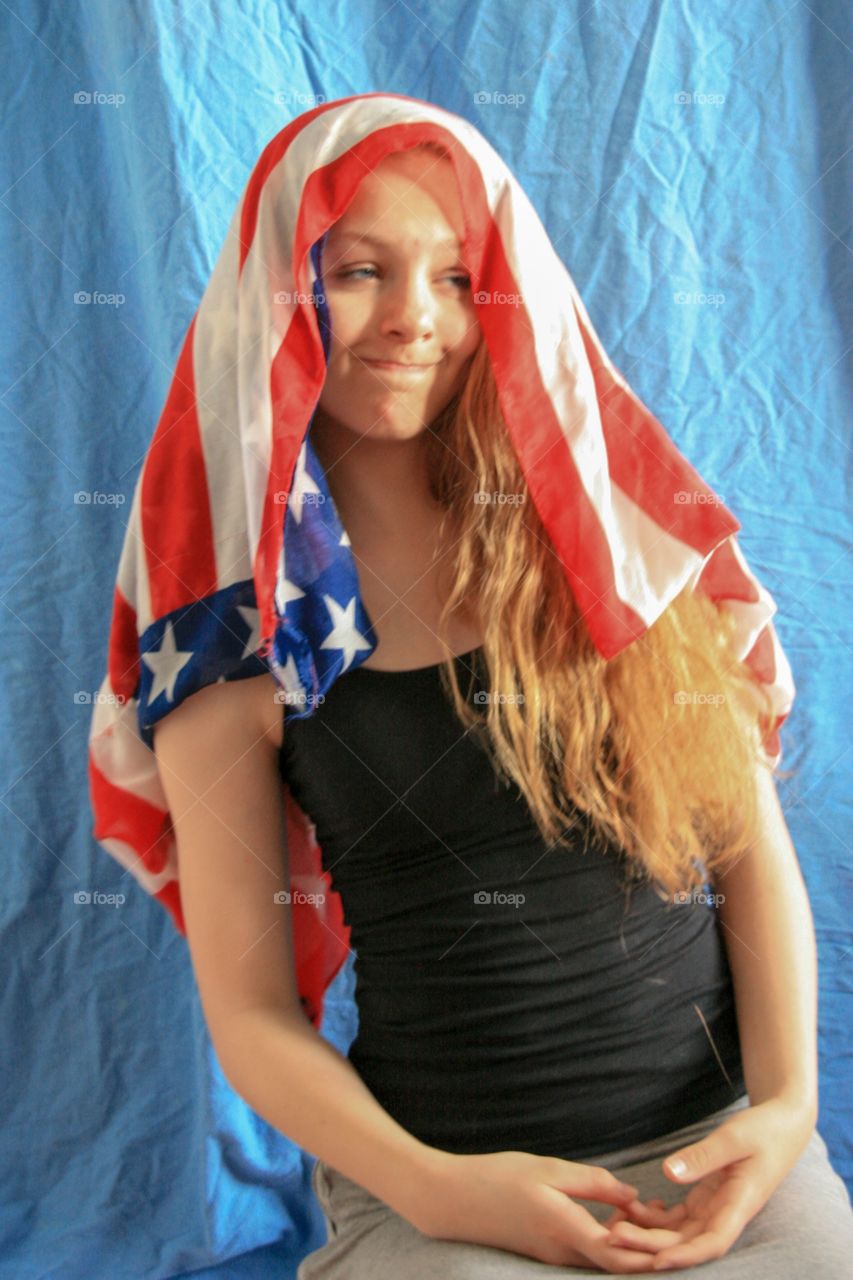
367 238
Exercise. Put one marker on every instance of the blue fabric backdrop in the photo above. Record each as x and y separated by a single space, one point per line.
690 165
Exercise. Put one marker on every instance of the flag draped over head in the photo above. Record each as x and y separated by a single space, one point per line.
235 561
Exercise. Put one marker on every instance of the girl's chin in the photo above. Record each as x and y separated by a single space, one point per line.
396 419
386 430
387 417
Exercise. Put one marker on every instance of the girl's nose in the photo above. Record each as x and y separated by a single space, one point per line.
408 311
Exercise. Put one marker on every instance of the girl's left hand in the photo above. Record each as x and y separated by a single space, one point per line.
736 1169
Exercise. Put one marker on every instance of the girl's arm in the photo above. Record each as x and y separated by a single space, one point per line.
766 921
767 925
219 767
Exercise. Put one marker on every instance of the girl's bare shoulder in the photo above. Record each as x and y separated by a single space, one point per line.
251 702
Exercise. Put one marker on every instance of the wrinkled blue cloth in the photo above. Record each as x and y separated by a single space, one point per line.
706 237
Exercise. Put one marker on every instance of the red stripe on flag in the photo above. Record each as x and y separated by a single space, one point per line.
123 656
549 467
170 897
638 472
175 520
142 826
275 150
761 658
123 815
724 578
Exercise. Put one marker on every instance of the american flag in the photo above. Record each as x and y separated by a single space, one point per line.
235 562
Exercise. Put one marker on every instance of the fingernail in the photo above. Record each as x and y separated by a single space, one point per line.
678 1167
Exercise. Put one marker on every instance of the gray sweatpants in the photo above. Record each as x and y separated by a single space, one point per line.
804 1229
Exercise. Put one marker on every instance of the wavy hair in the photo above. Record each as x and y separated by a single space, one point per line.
619 749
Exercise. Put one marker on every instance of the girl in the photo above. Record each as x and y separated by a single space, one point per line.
532 733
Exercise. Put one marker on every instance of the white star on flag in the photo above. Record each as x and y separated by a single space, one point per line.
285 592
252 619
302 484
344 634
166 663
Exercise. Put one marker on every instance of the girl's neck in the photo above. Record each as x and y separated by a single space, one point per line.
380 487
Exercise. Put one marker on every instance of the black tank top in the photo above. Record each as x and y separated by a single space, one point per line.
509 996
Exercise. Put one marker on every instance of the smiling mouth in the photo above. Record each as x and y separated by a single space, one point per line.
399 364
404 374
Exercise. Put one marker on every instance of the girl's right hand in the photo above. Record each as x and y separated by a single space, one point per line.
522 1202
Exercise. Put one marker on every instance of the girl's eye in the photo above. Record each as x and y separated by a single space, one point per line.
463 281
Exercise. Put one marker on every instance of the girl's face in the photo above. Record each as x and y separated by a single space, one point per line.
397 292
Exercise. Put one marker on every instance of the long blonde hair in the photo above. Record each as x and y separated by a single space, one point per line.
658 746
656 749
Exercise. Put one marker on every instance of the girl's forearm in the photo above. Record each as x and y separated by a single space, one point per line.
299 1083
766 921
